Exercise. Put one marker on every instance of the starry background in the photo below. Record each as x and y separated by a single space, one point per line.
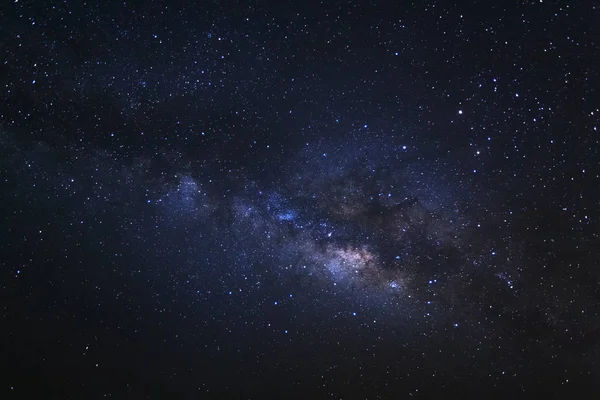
314 200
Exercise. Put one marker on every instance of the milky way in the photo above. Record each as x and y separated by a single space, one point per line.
361 219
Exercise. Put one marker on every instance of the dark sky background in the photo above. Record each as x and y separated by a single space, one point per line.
299 200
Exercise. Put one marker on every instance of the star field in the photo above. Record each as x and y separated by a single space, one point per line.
299 200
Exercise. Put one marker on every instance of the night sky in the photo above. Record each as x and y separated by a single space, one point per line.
299 200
